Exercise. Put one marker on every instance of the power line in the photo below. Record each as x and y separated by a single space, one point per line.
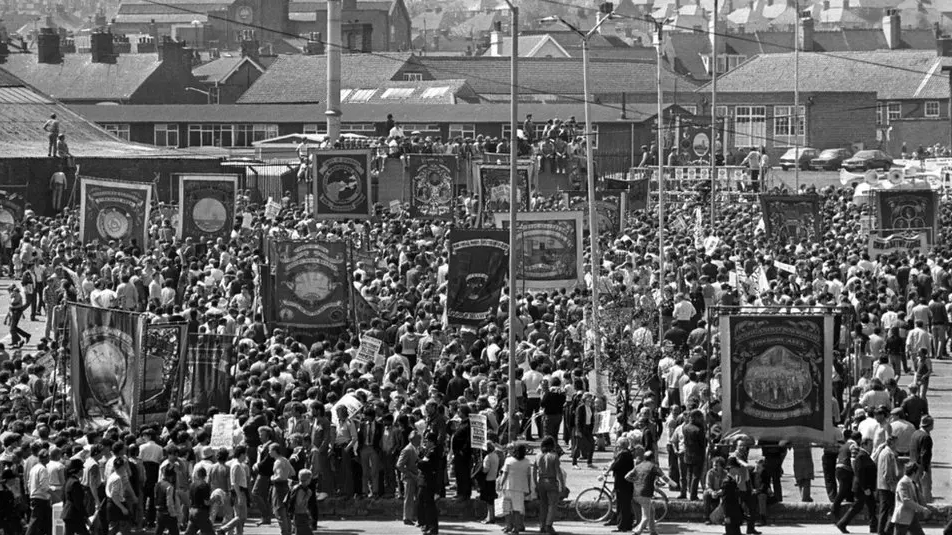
466 75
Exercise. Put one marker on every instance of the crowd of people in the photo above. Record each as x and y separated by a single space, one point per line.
315 421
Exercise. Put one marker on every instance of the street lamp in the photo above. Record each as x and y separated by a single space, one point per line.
513 209
608 11
659 29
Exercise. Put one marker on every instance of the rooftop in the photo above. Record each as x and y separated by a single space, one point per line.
302 78
490 75
893 74
23 111
219 69
78 78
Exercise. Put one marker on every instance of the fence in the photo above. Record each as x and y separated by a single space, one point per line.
684 182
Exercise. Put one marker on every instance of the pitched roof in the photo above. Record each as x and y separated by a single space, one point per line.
489 75
78 78
302 78
529 45
892 74
354 113
478 23
219 69
427 21
23 110
401 93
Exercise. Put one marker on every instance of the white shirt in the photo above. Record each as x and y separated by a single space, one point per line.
150 452
684 310
532 380
39 482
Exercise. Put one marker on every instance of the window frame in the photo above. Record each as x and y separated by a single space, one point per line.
413 77
122 131
750 114
165 130
783 126
938 109
893 111
462 131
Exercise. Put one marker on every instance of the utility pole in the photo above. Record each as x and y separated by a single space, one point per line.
513 210
332 112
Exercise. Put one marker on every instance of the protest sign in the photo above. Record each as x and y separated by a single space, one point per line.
477 431
223 431
603 422
369 347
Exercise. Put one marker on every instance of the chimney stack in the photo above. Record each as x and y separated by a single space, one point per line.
805 39
315 45
102 47
892 29
495 40
249 48
48 46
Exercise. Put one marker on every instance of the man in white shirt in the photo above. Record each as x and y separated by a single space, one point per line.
238 474
532 379
41 509
684 311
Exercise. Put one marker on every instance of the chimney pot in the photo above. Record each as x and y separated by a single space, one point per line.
805 39
48 46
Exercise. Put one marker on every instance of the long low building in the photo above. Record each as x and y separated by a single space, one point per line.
620 129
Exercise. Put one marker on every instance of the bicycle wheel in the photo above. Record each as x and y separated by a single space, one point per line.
660 502
594 504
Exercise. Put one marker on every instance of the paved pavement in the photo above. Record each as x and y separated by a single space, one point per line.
454 526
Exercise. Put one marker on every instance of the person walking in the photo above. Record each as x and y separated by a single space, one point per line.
887 476
461 446
733 504
430 484
487 489
643 477
410 475
550 482
694 441
301 504
622 464
516 483
864 488
74 500
117 509
909 503
168 505
38 486
281 474
15 314
920 454
584 430
199 512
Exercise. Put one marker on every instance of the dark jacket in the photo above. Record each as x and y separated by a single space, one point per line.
695 444
291 500
74 504
623 463
582 428
864 473
920 450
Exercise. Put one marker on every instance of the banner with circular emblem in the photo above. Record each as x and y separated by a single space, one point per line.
312 286
114 210
207 206
341 184
431 178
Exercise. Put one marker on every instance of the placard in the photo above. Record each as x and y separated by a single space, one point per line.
369 347
603 422
223 431
477 431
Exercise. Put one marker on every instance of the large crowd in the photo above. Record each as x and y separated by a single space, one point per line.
410 439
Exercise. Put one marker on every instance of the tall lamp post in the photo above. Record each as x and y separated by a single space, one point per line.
333 112
659 29
607 10
513 209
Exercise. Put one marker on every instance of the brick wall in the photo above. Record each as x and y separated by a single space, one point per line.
832 119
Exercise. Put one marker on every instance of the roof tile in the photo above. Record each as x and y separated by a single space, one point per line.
78 78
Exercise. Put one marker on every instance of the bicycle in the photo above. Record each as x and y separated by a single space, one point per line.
596 504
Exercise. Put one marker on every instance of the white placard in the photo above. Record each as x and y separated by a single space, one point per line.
223 431
477 431
603 422
369 347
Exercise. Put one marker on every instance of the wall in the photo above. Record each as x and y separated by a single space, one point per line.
167 85
914 133
36 172
832 119
380 20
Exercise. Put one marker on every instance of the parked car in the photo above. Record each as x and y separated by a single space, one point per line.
865 160
789 158
830 159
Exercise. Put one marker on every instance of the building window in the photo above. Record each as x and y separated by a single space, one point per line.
783 121
422 128
315 128
750 126
893 111
413 76
362 95
690 109
932 108
879 113
166 135
725 62
435 92
121 131
247 134
397 93
358 128
462 131
211 135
